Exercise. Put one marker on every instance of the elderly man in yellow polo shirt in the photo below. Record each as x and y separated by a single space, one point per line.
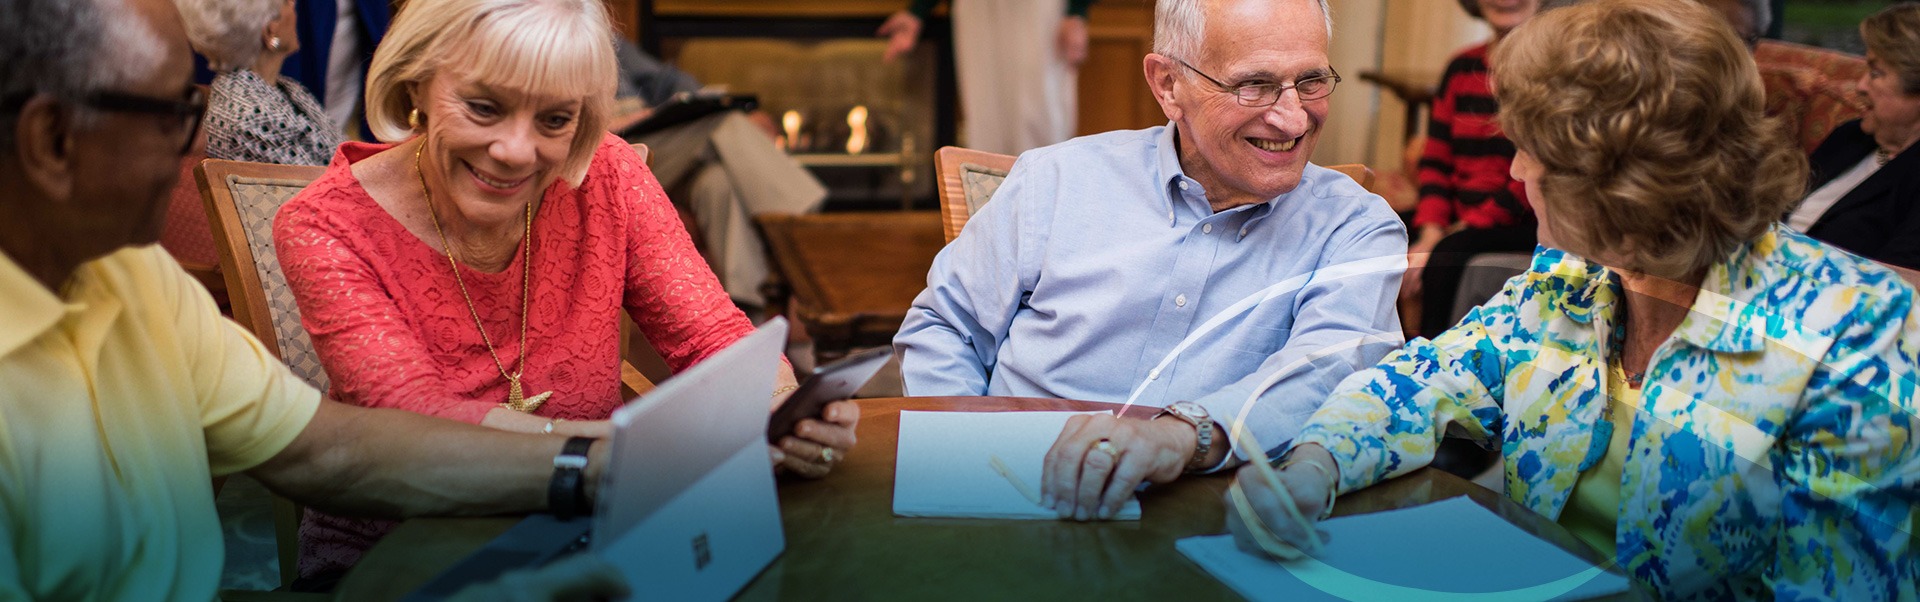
122 390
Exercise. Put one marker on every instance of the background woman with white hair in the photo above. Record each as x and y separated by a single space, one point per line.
252 113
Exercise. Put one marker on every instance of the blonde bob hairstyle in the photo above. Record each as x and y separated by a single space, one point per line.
556 48
1648 118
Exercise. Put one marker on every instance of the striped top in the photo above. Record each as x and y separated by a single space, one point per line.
1463 173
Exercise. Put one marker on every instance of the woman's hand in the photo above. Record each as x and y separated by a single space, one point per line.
902 31
817 445
1306 486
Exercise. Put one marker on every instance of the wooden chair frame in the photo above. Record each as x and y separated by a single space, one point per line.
950 162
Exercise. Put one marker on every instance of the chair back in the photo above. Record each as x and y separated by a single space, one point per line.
968 178
241 200
1360 174
1811 90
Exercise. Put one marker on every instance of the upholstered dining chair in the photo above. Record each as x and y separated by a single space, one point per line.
967 179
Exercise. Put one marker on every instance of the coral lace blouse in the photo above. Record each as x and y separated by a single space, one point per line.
393 331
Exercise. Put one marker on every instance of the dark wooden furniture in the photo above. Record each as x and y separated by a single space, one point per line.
1415 89
848 278
843 541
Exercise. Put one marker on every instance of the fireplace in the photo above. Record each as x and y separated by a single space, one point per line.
866 128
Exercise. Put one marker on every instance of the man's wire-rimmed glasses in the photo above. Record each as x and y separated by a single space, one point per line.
1265 94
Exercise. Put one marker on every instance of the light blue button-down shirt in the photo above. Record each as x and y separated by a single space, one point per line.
1098 256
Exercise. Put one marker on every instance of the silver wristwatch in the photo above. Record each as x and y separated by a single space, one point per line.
1193 414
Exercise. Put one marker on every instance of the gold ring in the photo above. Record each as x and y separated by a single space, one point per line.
1106 446
826 455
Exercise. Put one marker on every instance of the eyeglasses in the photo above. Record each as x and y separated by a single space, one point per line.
1264 95
187 111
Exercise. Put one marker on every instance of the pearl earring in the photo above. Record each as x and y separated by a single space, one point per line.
273 43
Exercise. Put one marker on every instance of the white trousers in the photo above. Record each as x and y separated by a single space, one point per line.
1016 92
728 172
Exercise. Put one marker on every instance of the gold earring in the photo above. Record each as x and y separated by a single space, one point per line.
413 119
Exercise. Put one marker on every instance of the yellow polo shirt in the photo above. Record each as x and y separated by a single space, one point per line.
120 397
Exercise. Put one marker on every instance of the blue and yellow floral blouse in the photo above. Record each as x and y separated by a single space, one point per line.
1774 456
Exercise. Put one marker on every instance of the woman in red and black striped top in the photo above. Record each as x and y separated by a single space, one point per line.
1469 204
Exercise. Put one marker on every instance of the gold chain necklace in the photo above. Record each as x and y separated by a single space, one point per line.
516 399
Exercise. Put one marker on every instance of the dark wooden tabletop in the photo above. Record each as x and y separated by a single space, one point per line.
843 541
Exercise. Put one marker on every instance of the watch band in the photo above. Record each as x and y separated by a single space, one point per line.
1195 415
567 492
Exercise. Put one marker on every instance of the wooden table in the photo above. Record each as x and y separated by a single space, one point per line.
851 276
843 541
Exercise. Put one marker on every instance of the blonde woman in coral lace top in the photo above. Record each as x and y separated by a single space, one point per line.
498 162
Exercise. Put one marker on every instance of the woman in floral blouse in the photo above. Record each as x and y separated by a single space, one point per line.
1723 406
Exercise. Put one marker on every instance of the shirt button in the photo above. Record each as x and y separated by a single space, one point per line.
1153 374
1207 229
1243 233
1180 300
1183 185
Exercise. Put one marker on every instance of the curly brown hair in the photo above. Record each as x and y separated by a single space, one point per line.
1648 118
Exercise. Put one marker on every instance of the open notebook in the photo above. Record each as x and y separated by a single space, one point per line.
943 467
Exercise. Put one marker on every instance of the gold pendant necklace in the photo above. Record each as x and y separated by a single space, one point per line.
516 397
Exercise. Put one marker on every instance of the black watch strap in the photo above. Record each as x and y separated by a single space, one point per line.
567 492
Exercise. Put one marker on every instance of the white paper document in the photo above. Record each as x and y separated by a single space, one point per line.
1447 550
943 467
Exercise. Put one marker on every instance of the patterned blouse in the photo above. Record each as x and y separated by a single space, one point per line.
251 120
393 330
1773 455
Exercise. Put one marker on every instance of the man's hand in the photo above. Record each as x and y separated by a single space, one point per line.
1305 485
1072 40
805 453
1082 482
902 31
579 577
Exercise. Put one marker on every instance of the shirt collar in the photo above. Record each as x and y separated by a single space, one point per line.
1167 158
1718 321
31 309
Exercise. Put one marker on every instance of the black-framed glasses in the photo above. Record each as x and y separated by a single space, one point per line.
1264 95
188 110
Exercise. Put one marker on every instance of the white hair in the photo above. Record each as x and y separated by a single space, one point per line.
227 32
1180 25
62 48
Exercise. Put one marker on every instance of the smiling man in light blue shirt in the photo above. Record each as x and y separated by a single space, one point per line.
1192 267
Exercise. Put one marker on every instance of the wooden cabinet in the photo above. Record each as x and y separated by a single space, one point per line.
1113 89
